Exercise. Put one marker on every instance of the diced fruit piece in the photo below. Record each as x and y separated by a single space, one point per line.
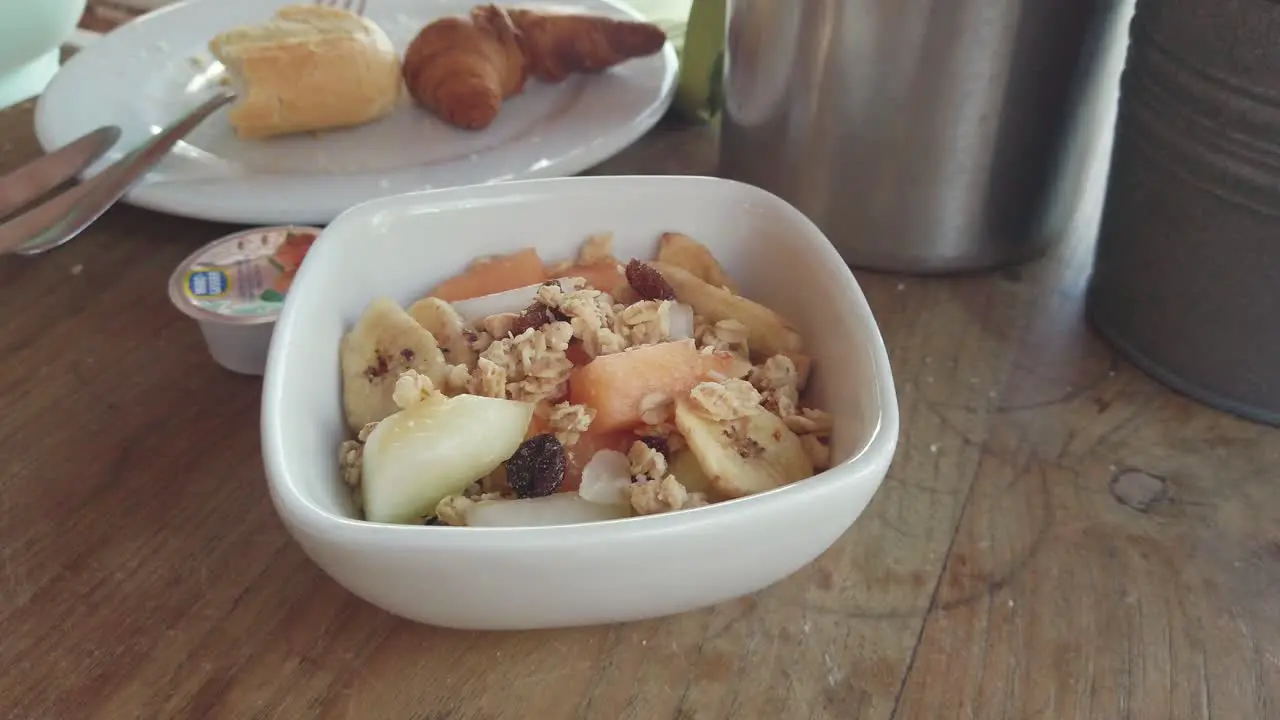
768 333
601 276
436 448
605 478
515 300
684 252
536 469
558 509
590 443
681 321
689 472
493 275
288 258
620 387
384 343
290 253
447 326
744 456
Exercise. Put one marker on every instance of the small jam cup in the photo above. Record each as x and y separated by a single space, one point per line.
235 286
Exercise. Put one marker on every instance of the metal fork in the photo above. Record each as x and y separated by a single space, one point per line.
353 6
64 216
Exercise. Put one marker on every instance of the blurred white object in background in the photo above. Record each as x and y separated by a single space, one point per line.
31 37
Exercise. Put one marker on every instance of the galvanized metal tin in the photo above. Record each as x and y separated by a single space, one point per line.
1186 279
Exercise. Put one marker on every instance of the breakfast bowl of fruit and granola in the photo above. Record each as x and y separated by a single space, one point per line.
573 401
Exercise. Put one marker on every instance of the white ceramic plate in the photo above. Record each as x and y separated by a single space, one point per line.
149 72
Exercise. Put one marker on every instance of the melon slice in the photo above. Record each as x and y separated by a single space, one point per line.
620 387
434 449
493 275
604 276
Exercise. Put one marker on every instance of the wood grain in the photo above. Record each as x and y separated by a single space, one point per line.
996 575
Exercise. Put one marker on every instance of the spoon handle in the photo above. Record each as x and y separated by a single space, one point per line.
32 181
65 216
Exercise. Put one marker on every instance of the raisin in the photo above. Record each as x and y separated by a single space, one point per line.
534 316
648 282
537 467
407 354
431 520
658 444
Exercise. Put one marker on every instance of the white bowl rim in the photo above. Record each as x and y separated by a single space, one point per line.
304 515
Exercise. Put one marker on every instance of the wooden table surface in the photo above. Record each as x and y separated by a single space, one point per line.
1058 537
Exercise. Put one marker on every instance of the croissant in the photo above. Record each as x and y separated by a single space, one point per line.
462 68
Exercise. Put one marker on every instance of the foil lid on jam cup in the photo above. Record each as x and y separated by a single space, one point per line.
235 286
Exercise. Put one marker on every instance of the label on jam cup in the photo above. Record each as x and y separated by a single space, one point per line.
247 274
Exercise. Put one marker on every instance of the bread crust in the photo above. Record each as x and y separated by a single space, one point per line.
303 84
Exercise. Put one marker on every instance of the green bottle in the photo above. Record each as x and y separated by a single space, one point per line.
698 92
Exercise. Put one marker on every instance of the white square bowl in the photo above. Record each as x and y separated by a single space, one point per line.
622 570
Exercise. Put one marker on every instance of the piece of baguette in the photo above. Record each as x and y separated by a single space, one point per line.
308 68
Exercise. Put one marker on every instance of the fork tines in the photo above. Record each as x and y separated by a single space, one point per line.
354 6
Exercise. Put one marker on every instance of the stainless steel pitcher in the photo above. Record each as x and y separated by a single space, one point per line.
920 135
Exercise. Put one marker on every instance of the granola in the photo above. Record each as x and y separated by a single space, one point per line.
726 400
778 383
452 510
351 462
594 322
489 379
534 362
413 388
724 335
646 462
659 496
569 422
647 322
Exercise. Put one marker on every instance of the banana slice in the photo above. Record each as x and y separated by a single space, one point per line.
688 254
768 332
446 325
746 455
384 343
685 466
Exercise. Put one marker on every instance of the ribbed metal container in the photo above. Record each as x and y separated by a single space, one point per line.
1186 279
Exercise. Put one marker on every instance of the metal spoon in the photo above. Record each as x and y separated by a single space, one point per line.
65 216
